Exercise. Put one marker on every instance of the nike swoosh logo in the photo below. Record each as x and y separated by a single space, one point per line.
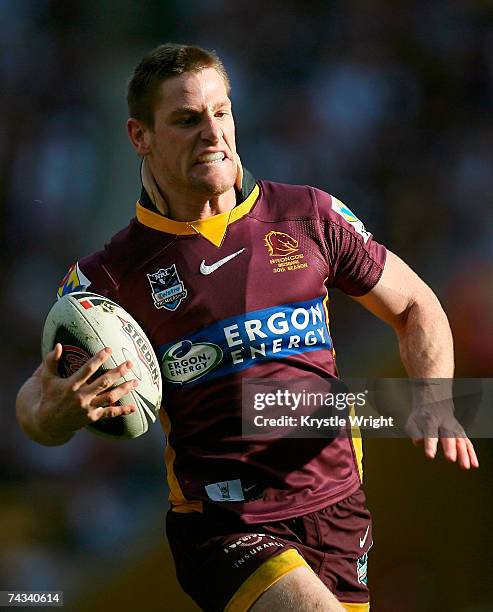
363 539
205 269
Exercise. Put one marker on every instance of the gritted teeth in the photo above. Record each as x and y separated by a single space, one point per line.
211 157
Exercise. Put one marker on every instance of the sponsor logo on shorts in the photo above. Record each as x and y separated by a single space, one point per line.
186 361
74 280
362 569
168 290
254 543
284 252
350 217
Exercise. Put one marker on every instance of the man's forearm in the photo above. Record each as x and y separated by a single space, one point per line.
427 352
425 340
28 415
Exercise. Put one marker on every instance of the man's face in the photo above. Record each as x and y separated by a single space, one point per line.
192 145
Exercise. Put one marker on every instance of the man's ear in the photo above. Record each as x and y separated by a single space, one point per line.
239 173
139 135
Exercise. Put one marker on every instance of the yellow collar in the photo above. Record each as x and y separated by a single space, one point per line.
213 228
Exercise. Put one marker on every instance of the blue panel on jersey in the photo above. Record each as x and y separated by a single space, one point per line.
245 340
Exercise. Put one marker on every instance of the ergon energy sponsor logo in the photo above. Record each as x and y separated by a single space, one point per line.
241 341
144 352
186 361
284 330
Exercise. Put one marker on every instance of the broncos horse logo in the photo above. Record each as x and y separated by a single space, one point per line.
280 243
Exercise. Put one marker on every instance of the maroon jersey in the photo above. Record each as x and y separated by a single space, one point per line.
240 294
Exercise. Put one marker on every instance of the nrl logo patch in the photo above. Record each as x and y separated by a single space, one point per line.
168 290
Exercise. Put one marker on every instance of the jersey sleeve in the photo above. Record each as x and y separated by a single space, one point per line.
356 261
88 274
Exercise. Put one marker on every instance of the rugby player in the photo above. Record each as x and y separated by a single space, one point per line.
229 277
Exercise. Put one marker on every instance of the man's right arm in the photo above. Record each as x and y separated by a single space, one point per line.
50 409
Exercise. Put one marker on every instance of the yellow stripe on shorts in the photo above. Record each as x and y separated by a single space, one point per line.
263 578
355 607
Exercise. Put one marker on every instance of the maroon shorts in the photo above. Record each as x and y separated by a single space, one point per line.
225 564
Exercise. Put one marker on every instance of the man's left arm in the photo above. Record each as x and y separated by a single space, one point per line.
405 302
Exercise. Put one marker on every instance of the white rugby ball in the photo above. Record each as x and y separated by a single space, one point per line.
84 323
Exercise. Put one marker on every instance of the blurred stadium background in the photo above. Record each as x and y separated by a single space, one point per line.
387 105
